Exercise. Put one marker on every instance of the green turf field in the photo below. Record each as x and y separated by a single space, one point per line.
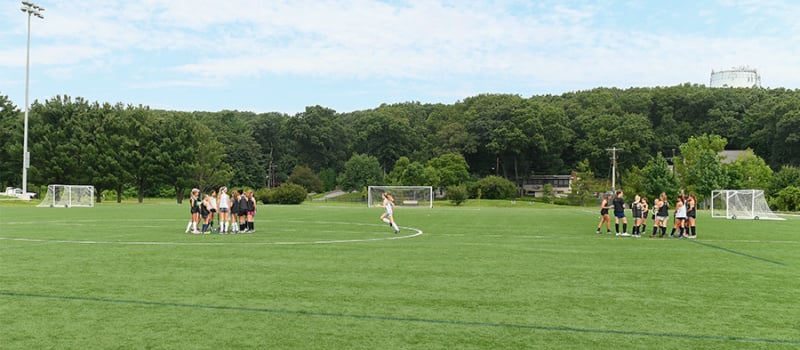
335 277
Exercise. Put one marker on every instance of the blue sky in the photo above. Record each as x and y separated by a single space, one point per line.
281 56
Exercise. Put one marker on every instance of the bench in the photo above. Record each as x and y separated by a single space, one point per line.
410 202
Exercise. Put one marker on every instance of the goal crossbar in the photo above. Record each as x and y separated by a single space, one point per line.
741 204
67 196
404 196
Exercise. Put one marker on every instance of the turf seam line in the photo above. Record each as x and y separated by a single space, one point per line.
740 253
408 319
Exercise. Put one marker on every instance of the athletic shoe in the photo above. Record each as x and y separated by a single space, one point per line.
636 236
396 231
625 234
608 232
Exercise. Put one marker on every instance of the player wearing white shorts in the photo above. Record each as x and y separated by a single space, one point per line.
388 215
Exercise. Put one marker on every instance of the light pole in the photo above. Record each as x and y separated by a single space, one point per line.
32 10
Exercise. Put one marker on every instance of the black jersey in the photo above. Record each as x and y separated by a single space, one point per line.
243 205
619 205
251 204
636 209
235 206
664 209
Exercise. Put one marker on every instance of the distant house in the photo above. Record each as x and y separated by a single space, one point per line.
730 156
534 185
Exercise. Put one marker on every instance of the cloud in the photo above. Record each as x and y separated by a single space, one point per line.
445 47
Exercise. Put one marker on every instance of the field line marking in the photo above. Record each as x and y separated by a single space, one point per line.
739 253
334 241
406 319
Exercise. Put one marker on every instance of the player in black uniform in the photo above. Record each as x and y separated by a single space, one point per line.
604 218
691 214
619 213
636 214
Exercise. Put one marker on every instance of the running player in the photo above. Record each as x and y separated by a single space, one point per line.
388 214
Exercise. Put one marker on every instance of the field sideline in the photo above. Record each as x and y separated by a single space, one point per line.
334 277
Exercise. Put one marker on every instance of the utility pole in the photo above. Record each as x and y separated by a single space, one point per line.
30 9
613 166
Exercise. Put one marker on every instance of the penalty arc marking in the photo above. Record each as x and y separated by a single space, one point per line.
417 232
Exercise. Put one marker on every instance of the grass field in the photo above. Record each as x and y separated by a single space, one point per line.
334 277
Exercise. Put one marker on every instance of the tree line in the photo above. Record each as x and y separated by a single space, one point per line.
127 148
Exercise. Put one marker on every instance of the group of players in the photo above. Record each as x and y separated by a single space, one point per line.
235 211
685 213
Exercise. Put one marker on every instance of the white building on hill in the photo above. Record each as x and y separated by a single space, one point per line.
736 77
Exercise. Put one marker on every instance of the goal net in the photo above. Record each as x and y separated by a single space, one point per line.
741 204
408 196
66 196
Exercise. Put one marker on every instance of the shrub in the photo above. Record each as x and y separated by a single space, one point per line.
288 193
263 195
303 176
495 187
787 199
457 194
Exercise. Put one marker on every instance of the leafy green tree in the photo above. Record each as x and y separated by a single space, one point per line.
633 180
11 125
495 187
303 176
386 134
319 140
691 153
707 174
208 171
787 176
787 199
359 172
452 169
407 173
749 172
658 178
585 184
328 177
457 194
112 139
786 145
142 158
244 156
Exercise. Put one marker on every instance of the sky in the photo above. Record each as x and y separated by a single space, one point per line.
282 56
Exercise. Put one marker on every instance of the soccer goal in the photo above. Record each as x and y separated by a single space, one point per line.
66 196
741 204
406 196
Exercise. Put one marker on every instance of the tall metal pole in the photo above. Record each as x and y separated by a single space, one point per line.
35 10
613 166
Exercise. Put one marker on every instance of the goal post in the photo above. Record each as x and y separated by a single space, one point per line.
67 196
404 196
741 204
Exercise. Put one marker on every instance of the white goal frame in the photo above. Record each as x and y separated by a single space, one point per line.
68 196
741 204
404 196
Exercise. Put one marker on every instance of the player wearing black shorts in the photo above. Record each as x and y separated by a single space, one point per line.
691 214
619 213
636 213
604 215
